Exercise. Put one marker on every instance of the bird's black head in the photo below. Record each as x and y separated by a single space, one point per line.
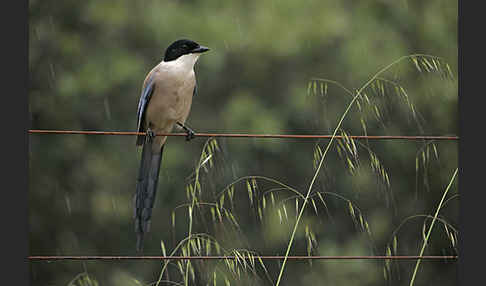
183 47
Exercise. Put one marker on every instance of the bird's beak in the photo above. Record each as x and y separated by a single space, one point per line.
200 49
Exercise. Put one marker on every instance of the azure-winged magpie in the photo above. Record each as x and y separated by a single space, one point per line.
165 102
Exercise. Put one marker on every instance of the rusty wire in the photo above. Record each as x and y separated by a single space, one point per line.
271 257
240 135
243 135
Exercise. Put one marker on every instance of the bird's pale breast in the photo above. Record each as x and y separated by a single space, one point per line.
172 98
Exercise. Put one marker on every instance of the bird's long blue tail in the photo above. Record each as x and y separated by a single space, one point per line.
146 190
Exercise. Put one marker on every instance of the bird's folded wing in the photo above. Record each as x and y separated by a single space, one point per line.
143 102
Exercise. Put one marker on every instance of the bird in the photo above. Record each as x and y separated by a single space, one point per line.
165 102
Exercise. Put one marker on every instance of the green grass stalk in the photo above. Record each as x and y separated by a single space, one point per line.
430 228
338 126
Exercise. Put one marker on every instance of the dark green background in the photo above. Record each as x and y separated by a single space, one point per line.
87 62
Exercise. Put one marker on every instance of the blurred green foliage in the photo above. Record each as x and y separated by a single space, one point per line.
87 62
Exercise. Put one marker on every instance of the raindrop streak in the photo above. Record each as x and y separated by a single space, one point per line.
68 204
53 74
237 20
51 23
113 204
107 108
36 33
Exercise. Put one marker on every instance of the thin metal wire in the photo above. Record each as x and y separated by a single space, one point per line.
239 135
329 257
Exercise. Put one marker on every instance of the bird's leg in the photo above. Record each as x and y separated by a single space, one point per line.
189 132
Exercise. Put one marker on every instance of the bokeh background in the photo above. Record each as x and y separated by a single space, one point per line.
87 62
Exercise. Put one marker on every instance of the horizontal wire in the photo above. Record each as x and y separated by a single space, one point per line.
404 257
239 135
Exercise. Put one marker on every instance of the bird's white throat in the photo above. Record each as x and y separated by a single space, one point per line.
184 62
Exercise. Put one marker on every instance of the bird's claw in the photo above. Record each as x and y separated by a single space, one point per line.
190 134
150 134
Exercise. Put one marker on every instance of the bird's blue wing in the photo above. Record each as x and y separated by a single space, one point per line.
142 106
